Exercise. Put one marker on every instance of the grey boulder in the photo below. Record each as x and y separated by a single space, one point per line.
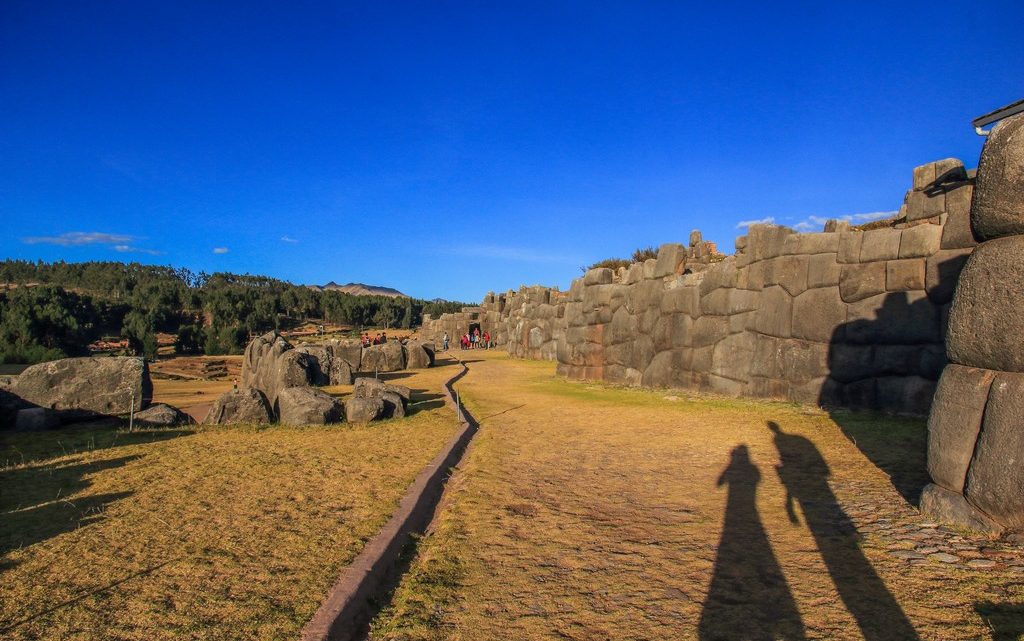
247 405
307 406
162 415
998 206
84 387
364 410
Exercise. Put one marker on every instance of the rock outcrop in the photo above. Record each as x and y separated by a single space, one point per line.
395 397
389 357
976 425
78 388
244 405
162 415
307 406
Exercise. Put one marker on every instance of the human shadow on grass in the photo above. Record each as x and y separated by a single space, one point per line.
1005 619
804 473
897 446
748 597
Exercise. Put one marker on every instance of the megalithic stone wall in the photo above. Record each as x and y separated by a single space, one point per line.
976 425
842 317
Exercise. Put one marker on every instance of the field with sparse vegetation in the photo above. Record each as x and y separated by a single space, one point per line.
203 532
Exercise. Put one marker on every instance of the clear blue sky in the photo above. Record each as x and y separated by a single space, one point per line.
448 149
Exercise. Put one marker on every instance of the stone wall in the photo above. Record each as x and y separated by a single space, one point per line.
975 435
841 317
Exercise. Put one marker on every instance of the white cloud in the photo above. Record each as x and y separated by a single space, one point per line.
137 250
220 250
767 220
816 223
118 242
73 238
288 239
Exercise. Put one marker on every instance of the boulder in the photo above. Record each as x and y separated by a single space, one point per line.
162 415
90 386
389 357
995 481
954 423
951 507
366 387
246 405
307 406
986 327
998 207
394 405
363 410
271 364
418 356
34 419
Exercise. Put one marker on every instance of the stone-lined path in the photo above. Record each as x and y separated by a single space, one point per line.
591 512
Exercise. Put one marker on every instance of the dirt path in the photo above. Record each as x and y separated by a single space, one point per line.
590 512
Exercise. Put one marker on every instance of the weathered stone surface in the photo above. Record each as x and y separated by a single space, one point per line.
905 275
956 233
998 208
367 387
995 480
896 318
364 410
34 419
790 272
951 507
920 241
245 405
849 247
942 271
986 323
818 314
307 406
921 205
418 356
671 257
394 405
767 241
162 415
849 363
880 244
911 395
775 317
823 271
388 357
81 387
598 276
954 423
858 282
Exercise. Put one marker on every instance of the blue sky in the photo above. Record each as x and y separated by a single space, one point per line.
448 149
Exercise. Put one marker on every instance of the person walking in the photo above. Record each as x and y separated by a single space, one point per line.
446 341
487 340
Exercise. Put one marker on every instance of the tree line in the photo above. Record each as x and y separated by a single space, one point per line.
53 310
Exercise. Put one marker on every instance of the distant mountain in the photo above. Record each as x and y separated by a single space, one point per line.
359 289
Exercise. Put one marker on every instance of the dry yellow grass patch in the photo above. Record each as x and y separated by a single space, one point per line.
200 533
585 511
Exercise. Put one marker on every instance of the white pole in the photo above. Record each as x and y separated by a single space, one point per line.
131 413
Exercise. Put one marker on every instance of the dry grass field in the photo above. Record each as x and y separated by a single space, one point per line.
586 511
198 533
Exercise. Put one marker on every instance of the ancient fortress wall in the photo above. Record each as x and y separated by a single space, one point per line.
842 317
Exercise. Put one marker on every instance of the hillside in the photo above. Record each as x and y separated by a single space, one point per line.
359 289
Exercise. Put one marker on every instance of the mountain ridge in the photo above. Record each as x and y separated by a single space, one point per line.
360 289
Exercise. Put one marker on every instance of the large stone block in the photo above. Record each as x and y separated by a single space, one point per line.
954 423
905 275
880 244
808 244
818 314
364 410
998 208
246 405
803 361
900 318
849 363
921 204
942 271
910 395
767 359
920 241
162 415
732 356
823 270
995 480
956 233
671 257
388 357
83 387
766 241
307 406
790 272
598 276
857 282
849 247
708 330
946 506
986 323
775 317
